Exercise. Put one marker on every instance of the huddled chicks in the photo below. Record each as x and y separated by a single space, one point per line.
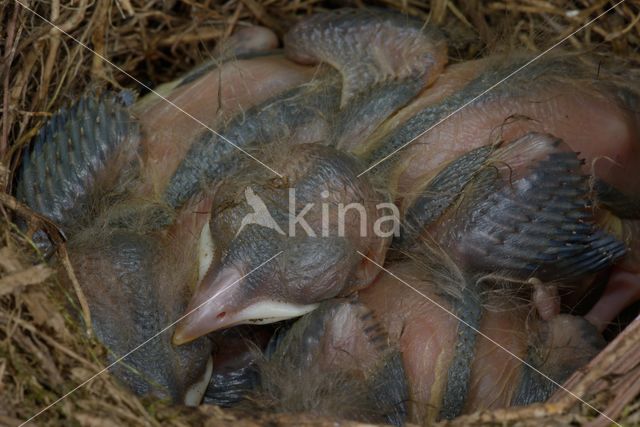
470 213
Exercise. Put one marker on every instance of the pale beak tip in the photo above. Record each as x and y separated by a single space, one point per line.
182 334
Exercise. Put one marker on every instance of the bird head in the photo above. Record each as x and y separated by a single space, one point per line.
276 247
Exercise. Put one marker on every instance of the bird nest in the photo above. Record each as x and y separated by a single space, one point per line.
48 362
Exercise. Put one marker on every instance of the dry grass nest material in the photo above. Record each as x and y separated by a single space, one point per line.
44 353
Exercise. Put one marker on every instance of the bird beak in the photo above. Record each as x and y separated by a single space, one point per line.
222 301
195 393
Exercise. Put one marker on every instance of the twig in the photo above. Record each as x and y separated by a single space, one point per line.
58 239
52 55
51 341
8 59
200 35
74 20
67 26
619 355
86 312
261 15
126 6
98 39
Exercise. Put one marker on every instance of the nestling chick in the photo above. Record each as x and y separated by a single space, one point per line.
335 362
452 370
317 217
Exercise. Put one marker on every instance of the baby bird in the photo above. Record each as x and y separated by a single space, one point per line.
78 173
153 204
436 183
97 168
519 211
453 367
279 246
380 60
334 362
454 191
316 112
397 353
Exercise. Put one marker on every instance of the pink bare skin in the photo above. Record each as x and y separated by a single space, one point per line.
451 80
496 372
586 115
623 286
218 95
248 40
427 334
589 121
169 128
622 290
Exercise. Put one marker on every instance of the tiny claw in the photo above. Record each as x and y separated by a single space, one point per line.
546 299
